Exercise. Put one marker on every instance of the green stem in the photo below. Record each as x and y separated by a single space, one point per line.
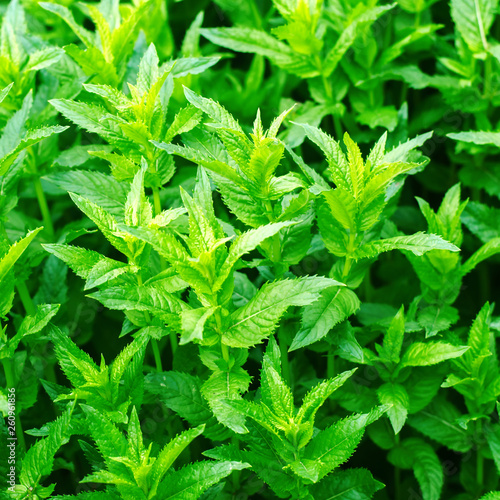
487 76
167 31
236 475
154 342
223 347
327 87
256 15
348 259
417 19
163 264
479 457
330 364
157 355
484 283
367 287
276 247
29 307
404 93
225 351
44 207
269 210
156 200
371 96
337 123
285 365
347 267
173 342
24 295
9 377
397 476
331 371
479 468
50 372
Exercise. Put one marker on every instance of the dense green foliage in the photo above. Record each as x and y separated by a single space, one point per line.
248 249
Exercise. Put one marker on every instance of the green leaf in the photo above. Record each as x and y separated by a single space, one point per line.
105 271
192 65
385 116
33 324
473 19
153 298
334 445
192 480
39 459
43 58
482 220
185 120
213 109
492 433
76 364
438 421
181 393
334 306
492 495
15 127
480 336
64 13
275 393
395 395
477 137
30 138
91 118
170 452
426 466
259 42
5 92
15 251
80 260
393 339
431 353
485 252
193 322
123 361
402 152
349 484
204 160
437 318
255 321
104 220
418 244
245 243
343 207
221 388
138 209
315 398
148 69
337 162
356 27
101 189
109 439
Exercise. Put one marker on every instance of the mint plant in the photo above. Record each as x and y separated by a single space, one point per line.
20 64
246 247
282 445
108 51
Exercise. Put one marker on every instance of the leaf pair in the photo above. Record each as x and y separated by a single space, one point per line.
395 357
136 474
347 213
282 445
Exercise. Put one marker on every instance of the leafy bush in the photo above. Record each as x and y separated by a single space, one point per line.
288 223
